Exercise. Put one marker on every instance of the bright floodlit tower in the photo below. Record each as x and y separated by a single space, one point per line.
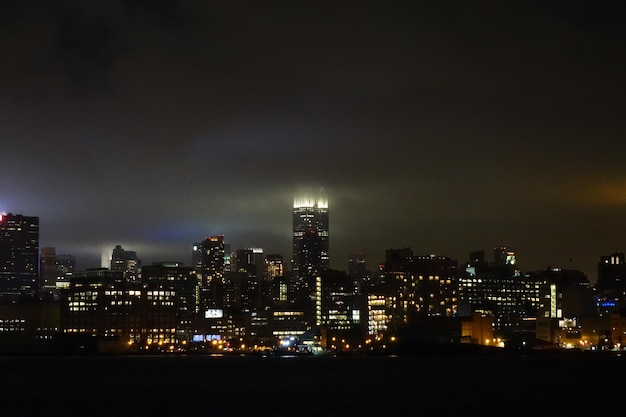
310 235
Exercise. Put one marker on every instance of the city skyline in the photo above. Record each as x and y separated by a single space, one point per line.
496 254
447 128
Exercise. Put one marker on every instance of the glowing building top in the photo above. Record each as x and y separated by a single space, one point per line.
310 235
310 199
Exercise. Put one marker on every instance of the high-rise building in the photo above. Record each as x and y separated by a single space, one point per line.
19 256
250 263
310 235
212 253
611 283
250 260
48 272
612 273
127 262
424 286
181 281
66 265
210 263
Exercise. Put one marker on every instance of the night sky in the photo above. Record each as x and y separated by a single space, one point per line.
447 127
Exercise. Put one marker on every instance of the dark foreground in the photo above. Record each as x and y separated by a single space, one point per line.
516 385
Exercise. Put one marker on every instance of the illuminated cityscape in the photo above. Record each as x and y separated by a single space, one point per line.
312 208
249 302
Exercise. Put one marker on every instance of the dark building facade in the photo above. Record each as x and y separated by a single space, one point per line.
19 257
48 272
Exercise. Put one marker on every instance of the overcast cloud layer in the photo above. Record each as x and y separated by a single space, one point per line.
448 127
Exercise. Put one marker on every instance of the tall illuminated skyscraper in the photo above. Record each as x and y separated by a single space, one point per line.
310 235
210 262
209 259
19 256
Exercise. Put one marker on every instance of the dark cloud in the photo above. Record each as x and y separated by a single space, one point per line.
448 127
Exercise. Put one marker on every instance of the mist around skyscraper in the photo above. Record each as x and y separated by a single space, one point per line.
251 300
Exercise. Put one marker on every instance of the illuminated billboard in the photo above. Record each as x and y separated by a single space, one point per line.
214 313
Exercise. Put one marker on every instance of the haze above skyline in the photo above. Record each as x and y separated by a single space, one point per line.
446 127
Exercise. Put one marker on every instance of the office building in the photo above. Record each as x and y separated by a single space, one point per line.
19 257
209 261
310 241
66 264
48 272
101 308
127 262
274 267
423 286
499 288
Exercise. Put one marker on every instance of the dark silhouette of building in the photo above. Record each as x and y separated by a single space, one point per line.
19 257
357 270
28 327
48 273
612 273
502 256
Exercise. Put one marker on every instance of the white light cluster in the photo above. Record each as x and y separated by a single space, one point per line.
310 200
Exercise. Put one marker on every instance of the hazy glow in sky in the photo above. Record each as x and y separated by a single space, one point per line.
445 127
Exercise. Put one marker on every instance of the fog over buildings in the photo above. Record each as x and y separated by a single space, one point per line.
444 127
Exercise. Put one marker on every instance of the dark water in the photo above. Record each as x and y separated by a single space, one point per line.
311 386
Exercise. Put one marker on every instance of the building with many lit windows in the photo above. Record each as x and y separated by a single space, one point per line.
101 306
19 257
274 267
500 288
175 277
127 262
379 312
424 286
337 303
211 267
